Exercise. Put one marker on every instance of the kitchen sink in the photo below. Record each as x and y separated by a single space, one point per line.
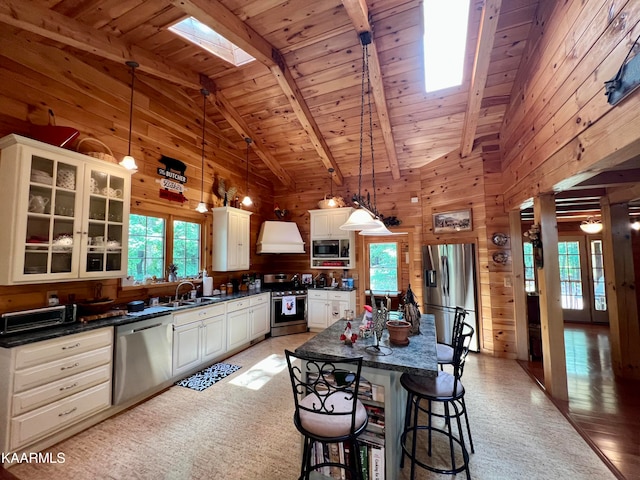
190 302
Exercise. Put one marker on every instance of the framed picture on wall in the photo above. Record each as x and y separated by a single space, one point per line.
454 221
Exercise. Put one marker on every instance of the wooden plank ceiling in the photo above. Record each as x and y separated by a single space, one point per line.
300 100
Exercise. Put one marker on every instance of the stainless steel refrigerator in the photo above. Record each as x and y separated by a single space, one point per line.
450 282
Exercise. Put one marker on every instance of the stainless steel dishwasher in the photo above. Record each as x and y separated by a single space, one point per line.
142 357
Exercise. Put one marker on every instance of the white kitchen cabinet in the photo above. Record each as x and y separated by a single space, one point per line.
199 336
328 306
259 315
325 223
53 384
231 248
325 229
237 328
65 215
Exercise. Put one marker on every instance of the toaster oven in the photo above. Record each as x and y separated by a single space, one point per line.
36 319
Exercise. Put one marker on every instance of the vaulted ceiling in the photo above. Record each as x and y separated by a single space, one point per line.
300 100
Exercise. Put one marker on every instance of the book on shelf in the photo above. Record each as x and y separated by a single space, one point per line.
376 465
364 460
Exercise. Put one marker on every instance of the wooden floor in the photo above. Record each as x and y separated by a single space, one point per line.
605 411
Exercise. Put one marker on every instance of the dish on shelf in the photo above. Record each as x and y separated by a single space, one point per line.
500 257
113 245
499 239
66 179
38 176
63 243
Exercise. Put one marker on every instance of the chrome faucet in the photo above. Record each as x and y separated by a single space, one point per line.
193 287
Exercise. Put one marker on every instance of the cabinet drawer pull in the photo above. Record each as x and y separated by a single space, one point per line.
67 412
70 366
62 389
69 347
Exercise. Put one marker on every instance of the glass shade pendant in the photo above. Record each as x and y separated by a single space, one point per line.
591 226
360 219
246 201
202 207
380 230
128 161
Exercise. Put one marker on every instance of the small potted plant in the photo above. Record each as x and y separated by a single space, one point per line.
172 272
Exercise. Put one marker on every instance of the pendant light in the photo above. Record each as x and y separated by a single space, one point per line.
246 201
128 161
591 226
332 203
364 216
202 207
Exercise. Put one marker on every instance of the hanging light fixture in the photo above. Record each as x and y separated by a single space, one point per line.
365 215
128 161
331 202
591 226
246 201
635 224
202 207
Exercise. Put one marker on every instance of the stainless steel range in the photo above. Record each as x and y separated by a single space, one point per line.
288 304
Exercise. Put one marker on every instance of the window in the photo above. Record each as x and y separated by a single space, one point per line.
597 270
203 36
570 275
149 241
445 41
383 267
529 269
146 247
186 247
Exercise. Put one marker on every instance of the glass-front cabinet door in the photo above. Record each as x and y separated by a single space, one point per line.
105 244
65 215
53 203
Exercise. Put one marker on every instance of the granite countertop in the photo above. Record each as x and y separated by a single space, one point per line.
17 339
332 289
418 358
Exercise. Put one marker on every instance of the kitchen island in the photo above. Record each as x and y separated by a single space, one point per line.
383 371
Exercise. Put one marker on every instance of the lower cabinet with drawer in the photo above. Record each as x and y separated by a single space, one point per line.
237 323
199 336
53 384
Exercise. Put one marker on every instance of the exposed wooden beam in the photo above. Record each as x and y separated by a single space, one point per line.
486 36
223 21
49 24
236 121
612 178
359 15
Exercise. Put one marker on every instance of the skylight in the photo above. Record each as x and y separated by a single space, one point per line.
445 39
203 36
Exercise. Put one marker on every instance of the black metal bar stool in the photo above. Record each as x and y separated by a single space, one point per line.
444 351
445 389
327 409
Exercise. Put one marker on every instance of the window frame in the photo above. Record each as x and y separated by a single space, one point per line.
384 240
169 219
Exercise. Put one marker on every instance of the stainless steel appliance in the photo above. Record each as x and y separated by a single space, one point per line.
288 304
142 358
37 318
450 281
326 248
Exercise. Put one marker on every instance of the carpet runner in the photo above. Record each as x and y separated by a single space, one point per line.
207 377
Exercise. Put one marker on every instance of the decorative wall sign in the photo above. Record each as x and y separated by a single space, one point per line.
173 179
454 221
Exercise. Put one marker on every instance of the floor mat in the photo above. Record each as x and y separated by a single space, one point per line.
207 377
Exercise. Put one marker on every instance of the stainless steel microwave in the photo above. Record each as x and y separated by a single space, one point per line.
326 248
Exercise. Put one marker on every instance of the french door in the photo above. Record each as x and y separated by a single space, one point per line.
582 280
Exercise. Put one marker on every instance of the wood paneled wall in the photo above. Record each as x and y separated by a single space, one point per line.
559 123
454 183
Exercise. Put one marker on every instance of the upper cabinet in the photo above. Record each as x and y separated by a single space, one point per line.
325 223
230 239
65 215
330 246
